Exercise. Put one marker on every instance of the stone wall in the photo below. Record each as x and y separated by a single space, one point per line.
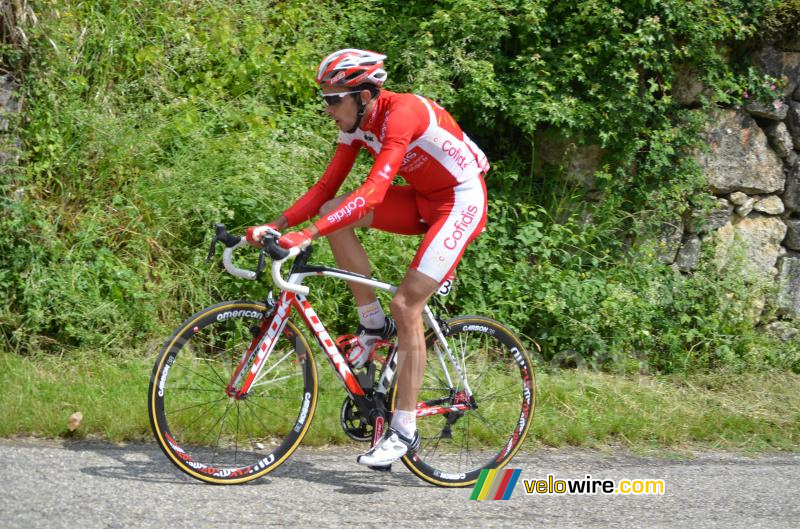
753 168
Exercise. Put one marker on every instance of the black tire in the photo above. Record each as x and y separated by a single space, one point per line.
216 438
501 377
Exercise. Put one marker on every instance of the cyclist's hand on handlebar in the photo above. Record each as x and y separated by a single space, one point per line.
300 239
255 233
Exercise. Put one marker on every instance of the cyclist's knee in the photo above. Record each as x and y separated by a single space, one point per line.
329 206
410 299
399 308
403 311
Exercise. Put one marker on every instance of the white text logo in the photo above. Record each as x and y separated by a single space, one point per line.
459 227
347 209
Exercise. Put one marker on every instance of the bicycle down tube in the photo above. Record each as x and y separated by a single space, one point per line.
249 377
428 316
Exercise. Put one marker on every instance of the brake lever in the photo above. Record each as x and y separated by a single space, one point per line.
212 249
226 238
221 235
261 263
276 252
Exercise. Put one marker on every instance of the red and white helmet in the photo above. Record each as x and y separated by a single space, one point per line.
351 67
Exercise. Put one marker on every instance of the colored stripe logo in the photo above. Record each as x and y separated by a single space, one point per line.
495 484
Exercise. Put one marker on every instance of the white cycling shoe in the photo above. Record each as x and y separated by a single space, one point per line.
392 446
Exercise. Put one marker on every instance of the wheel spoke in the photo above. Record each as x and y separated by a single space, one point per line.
275 380
256 416
490 396
263 373
207 403
264 408
196 390
192 371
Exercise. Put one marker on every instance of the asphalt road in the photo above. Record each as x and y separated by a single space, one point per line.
91 484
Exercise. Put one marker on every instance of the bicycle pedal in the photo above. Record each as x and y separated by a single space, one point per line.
386 468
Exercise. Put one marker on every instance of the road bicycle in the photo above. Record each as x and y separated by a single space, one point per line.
234 389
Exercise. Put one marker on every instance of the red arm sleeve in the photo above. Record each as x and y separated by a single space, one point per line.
401 126
325 189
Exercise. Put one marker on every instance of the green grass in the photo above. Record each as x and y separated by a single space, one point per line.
747 412
38 396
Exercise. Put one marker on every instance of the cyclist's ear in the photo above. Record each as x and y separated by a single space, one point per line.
366 94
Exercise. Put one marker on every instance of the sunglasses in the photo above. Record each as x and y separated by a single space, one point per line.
336 97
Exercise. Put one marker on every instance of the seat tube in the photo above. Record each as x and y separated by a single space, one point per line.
388 373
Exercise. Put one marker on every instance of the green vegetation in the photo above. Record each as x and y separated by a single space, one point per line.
575 408
146 121
747 412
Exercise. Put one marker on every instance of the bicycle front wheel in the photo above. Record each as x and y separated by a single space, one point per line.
483 433
206 432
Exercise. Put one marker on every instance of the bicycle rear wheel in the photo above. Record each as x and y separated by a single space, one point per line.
456 446
215 437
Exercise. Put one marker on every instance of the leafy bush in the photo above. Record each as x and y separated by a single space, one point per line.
148 121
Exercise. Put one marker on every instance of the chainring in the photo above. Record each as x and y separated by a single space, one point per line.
354 424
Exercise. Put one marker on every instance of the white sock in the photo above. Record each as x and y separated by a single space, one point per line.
371 315
405 422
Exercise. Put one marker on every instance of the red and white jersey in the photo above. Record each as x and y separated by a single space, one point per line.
407 135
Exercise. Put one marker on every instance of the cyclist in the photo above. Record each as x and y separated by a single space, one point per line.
444 199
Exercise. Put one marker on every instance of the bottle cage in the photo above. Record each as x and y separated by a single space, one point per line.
346 342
